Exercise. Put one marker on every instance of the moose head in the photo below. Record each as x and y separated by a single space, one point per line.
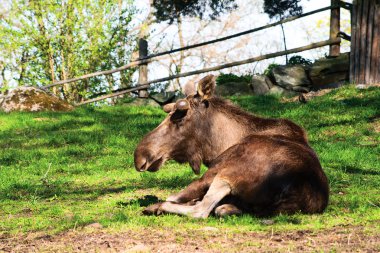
182 134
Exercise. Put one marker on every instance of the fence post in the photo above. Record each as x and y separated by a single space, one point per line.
334 28
143 69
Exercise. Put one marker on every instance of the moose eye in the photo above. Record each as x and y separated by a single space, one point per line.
178 115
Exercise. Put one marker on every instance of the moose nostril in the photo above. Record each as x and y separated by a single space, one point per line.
140 163
142 167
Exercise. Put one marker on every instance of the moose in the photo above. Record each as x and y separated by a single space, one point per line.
255 165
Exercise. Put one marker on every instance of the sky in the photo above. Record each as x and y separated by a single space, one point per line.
249 15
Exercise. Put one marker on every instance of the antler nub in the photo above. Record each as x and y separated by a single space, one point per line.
182 105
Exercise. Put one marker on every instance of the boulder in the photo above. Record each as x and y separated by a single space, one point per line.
277 90
260 84
233 88
164 97
31 99
330 72
293 78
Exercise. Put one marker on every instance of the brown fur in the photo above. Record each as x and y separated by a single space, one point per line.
267 162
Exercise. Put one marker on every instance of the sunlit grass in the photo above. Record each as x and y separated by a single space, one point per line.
60 171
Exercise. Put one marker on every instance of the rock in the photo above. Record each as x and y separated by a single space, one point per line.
164 97
277 90
330 72
361 86
292 78
233 89
31 99
260 84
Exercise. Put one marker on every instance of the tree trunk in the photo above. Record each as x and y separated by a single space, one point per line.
51 67
283 35
182 53
24 59
46 46
66 41
66 86
365 42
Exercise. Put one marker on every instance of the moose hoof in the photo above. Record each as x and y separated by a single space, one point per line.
227 210
153 209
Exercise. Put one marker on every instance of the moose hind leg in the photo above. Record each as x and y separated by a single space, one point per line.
219 188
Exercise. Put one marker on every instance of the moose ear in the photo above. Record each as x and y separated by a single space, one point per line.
168 107
206 86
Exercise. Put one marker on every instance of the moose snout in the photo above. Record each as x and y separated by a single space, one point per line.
140 163
141 160
147 161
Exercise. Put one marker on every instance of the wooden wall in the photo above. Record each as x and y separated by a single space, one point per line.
365 42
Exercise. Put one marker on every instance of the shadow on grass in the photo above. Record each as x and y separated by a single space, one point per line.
147 200
65 190
354 170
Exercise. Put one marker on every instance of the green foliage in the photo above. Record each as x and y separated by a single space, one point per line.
299 60
172 10
61 171
232 78
268 70
56 40
282 8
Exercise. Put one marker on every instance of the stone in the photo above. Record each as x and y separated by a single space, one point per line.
330 72
233 89
293 78
164 97
277 90
32 99
260 84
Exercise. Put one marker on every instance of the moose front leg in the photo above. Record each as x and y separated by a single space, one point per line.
219 188
196 190
188 196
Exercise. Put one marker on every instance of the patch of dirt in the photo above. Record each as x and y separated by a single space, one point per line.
376 126
312 94
90 239
307 96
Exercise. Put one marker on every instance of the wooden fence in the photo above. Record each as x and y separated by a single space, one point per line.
365 46
144 59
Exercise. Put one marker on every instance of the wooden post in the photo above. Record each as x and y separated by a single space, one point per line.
353 40
143 69
334 28
365 42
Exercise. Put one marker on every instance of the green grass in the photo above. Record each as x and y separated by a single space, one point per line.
61 171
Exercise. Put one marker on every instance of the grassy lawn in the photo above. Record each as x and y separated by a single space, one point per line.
63 171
